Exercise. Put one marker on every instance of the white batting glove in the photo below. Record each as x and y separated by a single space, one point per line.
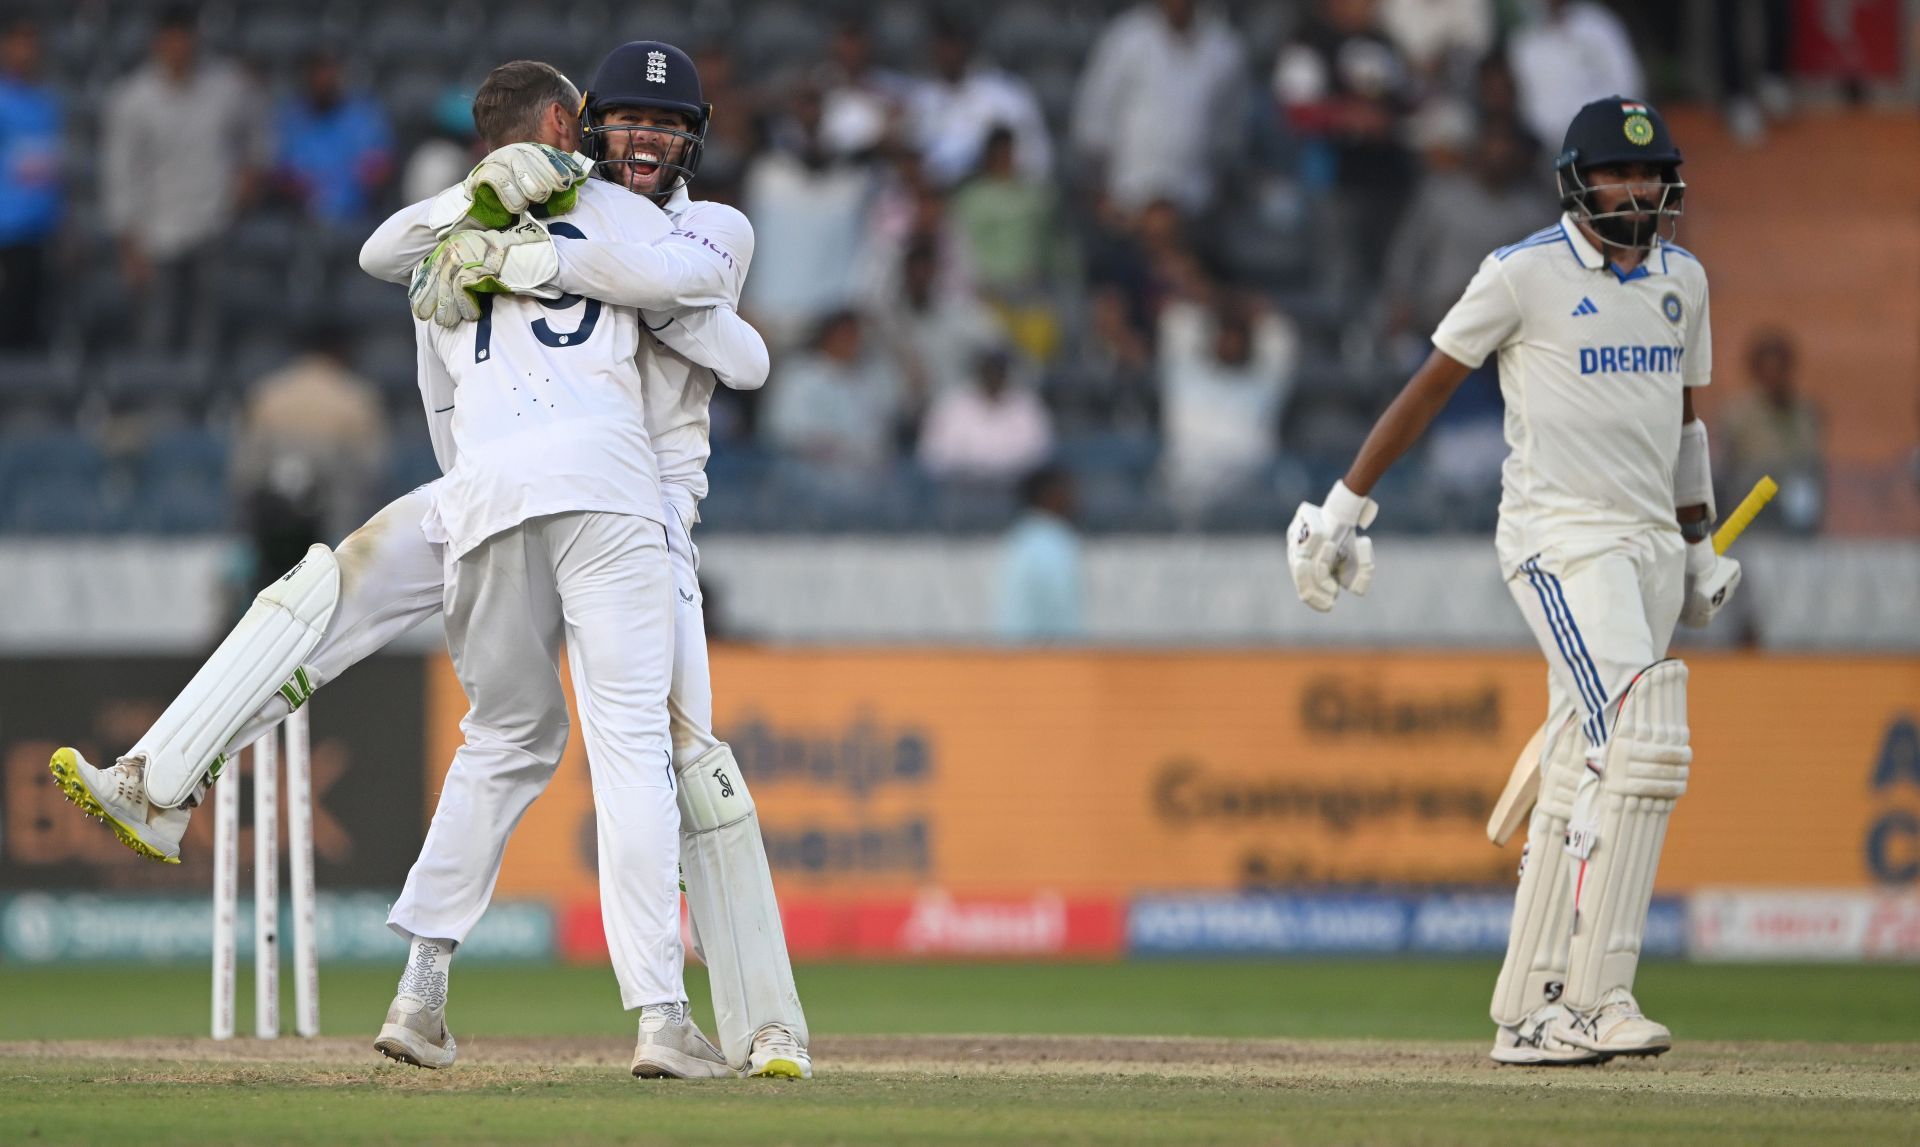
1324 550
467 264
1711 580
515 177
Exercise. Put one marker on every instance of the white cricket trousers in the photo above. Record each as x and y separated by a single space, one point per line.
602 583
1601 615
690 703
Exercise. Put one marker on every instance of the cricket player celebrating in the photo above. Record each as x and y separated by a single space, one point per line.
1600 325
388 576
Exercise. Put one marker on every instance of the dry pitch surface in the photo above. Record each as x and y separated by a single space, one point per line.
958 1089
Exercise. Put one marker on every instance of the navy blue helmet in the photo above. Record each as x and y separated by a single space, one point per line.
645 74
1611 132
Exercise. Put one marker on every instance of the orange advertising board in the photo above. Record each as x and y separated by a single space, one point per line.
1110 773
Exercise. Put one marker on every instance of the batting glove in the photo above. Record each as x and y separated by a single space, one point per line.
467 264
1325 552
1711 580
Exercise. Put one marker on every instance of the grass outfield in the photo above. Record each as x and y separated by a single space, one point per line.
1307 1052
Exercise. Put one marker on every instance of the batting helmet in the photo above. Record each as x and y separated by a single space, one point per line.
1618 130
646 74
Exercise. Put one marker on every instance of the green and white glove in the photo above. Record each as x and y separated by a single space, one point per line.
511 181
515 177
447 285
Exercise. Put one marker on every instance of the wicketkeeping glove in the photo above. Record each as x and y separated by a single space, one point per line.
515 177
467 264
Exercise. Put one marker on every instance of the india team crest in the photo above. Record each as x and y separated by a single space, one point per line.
1670 306
1639 130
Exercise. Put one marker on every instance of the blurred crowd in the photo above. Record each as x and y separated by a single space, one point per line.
1152 267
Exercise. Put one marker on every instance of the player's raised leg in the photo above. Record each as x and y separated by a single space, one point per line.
304 630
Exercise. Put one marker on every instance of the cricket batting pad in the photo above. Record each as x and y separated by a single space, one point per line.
736 920
259 657
1645 773
1536 963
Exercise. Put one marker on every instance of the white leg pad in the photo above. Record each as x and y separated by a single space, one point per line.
1645 773
260 656
1536 963
730 897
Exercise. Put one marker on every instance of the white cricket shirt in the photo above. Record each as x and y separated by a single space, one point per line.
1592 365
547 404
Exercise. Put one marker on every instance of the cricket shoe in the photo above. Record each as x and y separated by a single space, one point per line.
118 796
1616 1027
1538 1040
777 1055
416 1033
672 1047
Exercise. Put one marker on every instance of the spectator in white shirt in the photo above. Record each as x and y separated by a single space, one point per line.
182 146
955 109
810 219
1570 54
1161 103
1442 39
1225 373
991 429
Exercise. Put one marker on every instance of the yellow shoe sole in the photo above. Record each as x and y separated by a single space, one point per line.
780 1069
66 773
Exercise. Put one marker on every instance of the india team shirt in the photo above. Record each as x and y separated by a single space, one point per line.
1592 366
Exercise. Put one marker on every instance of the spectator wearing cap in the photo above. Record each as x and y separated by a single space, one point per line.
183 144
1160 106
955 109
990 429
336 148
30 186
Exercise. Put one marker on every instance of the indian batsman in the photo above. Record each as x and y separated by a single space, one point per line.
1600 325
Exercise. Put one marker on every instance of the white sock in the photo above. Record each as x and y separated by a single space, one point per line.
428 961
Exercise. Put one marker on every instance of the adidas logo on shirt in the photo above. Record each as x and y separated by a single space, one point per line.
1586 307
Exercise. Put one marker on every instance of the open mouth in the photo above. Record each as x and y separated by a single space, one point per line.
646 164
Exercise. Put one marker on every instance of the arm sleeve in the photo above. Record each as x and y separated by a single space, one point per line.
1697 368
396 247
436 394
718 339
701 264
1486 318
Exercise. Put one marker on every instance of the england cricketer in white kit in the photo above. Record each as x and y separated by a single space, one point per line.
1599 324
388 578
